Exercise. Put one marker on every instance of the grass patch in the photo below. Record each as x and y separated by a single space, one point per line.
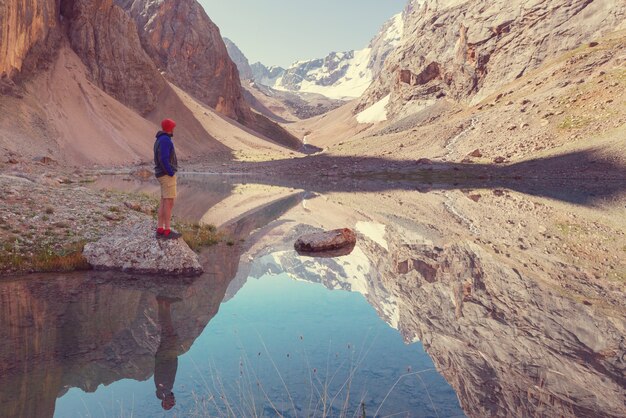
44 259
574 122
198 236
569 229
69 258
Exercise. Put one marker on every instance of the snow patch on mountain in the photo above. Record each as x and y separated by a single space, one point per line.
375 113
373 231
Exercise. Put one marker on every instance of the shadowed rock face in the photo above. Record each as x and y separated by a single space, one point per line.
185 44
106 40
466 50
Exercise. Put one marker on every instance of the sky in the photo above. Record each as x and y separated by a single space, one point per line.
280 32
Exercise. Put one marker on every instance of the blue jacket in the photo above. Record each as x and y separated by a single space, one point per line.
165 161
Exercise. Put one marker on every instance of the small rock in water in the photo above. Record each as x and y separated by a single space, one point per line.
135 249
327 244
143 173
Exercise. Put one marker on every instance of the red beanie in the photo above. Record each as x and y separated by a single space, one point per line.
168 125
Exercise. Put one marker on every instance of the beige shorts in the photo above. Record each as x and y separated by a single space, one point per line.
168 187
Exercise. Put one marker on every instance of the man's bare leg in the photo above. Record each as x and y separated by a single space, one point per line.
161 217
168 205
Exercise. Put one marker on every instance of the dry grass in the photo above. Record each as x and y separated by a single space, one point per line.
198 236
45 259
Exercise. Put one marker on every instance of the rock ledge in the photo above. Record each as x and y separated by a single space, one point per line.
135 249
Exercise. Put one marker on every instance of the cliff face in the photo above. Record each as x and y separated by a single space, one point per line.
106 39
185 44
29 37
26 28
465 50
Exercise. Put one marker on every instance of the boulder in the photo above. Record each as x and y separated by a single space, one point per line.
135 249
327 242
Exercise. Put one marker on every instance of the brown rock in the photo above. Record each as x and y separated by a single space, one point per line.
183 41
499 160
476 153
45 160
326 241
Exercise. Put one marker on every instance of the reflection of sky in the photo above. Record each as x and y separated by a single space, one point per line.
306 335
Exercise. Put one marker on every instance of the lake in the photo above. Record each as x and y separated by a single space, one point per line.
458 300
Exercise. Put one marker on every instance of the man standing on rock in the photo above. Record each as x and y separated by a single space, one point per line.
165 168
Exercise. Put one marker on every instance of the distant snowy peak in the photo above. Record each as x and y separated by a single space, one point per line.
266 76
340 75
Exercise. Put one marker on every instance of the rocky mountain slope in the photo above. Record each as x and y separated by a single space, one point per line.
81 83
465 51
188 48
240 60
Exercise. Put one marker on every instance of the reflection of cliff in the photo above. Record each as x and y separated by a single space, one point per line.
507 343
86 330
512 335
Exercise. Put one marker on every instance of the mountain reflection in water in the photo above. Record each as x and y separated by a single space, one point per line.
517 299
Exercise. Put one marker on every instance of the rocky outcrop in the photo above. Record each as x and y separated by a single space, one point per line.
240 60
465 51
106 39
322 242
135 249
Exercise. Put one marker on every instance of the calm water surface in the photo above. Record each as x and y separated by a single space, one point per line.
455 302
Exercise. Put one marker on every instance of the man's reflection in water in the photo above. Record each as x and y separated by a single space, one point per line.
166 359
